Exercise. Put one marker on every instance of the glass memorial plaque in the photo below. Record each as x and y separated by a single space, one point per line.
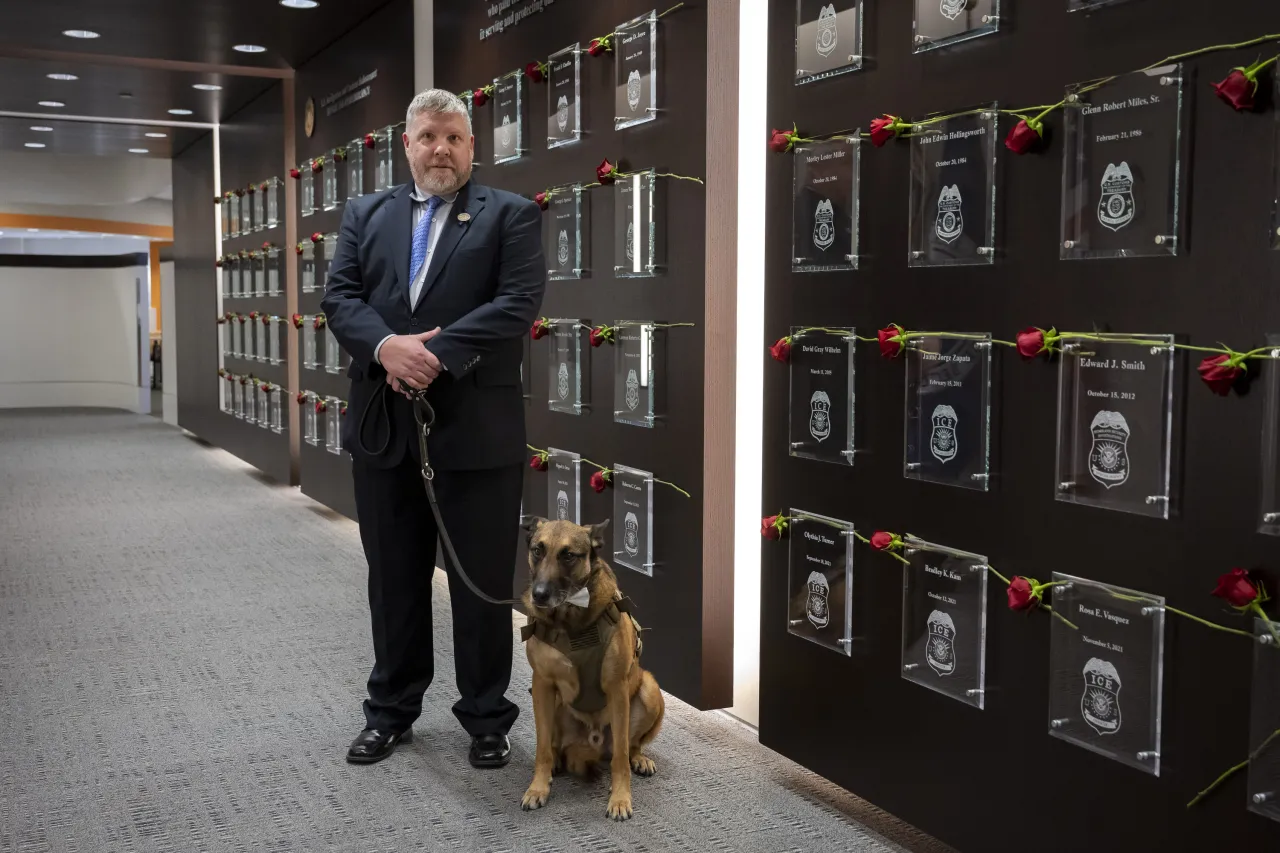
273 271
225 212
944 621
308 266
828 38
237 398
384 152
333 425
259 273
277 411
264 399
822 373
332 355
310 420
329 181
1269 512
942 22
824 190
232 205
820 580
246 208
259 208
1115 423
953 191
566 237
1121 166
355 168
1264 721
508 115
246 275
639 247
639 374
224 335
251 338
247 392
330 247
1107 670
271 189
564 108
635 99
567 392
237 335
564 486
633 519
948 410
275 325
227 271
309 341
307 178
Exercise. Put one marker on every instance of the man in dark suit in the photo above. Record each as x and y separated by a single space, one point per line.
432 286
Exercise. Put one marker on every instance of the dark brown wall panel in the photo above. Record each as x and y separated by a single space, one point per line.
993 781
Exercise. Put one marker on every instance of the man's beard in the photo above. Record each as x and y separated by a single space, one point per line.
441 181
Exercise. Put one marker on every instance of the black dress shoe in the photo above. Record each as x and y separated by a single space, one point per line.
373 745
490 751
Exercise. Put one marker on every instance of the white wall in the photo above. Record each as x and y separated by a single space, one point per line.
69 337
169 344
39 182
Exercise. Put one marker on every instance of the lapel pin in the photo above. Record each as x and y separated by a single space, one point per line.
464 217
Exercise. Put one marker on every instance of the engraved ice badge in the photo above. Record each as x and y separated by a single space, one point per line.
633 89
820 415
1109 456
562 113
631 535
817 610
1116 207
942 443
633 390
950 222
562 381
825 41
824 231
1100 702
940 649
951 9
562 248
504 132
562 506
631 241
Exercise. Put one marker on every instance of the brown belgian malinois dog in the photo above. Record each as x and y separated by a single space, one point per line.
590 696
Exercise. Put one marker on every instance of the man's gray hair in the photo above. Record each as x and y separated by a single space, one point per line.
436 101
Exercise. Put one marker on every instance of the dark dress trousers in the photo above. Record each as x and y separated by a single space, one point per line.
483 287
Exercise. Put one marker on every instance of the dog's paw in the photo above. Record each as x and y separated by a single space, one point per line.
643 765
619 808
535 798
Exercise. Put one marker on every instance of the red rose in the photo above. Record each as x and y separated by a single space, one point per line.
1026 134
264 185
317 237
297 321
320 406
771 529
1219 373
538 462
298 248
253 315
266 320
342 410
599 480
542 200
1236 588
218 262
883 129
295 174
317 165
781 350
780 141
1022 595
598 47
252 188
597 336
534 72
881 540
301 398
606 172
243 318
1030 342
890 348
266 245
265 387
540 329
1237 90
370 140
479 97
217 199
318 322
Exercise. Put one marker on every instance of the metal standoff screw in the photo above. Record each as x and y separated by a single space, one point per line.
990 19
912 466
848 454
1152 610
652 110
973 692
984 250
1066 486
907 667
1169 81
1275 353
1072 98
1063 587
1147 755
1262 797
797 260
916 255
843 642
982 345
978 477
1058 723
850 258
979 567
985 113
854 57
920 39
1166 239
1068 244
1267 640
1155 499
795 621
800 71
796 444
910 551
1271 517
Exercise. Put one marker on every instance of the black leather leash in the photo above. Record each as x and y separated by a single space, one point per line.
426 418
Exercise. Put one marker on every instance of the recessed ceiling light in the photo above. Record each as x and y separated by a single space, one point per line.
179 112
41 128
80 34
250 48
157 135
34 144
62 77
52 104
206 87
299 4
139 151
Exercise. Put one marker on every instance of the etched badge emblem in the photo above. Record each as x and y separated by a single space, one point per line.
1109 456
820 415
824 231
825 41
631 241
1100 702
1116 207
942 444
633 390
562 506
562 248
562 113
562 381
950 222
817 611
951 9
504 132
940 649
631 535
633 89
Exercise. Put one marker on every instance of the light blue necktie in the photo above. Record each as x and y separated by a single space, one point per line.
422 239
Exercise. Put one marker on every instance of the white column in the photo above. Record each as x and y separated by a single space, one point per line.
424 50
169 345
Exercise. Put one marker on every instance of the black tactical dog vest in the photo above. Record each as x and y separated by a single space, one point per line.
585 649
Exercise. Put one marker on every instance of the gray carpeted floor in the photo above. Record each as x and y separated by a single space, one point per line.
183 651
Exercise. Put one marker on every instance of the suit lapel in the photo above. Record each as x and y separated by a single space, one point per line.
470 201
400 211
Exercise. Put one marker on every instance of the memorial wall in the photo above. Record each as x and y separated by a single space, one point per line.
1020 417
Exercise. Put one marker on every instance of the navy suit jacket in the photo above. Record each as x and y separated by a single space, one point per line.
483 288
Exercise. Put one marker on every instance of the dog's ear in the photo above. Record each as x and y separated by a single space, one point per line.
597 533
530 526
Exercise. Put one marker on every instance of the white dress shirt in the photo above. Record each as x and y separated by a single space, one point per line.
420 199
